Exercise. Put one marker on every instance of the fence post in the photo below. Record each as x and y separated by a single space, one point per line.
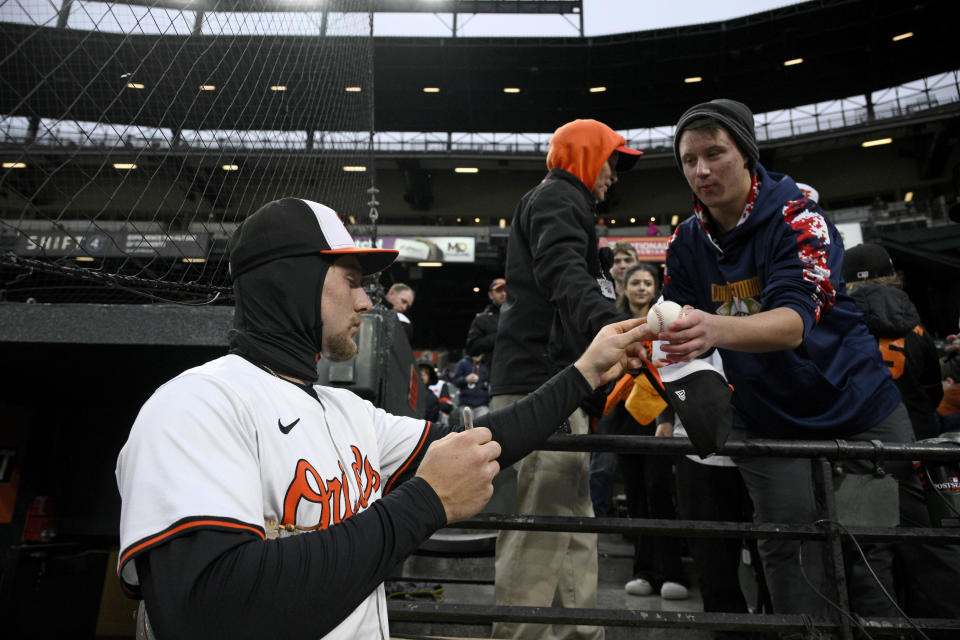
833 558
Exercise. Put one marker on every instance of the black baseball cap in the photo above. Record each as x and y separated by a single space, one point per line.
294 227
865 262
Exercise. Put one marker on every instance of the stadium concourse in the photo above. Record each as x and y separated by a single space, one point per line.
135 137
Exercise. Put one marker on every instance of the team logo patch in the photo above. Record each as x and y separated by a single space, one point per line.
682 394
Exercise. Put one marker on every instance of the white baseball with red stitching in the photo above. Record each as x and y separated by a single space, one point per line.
662 315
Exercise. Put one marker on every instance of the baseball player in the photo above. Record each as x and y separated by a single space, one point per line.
228 461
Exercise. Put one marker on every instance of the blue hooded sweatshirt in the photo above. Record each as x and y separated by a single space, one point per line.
784 253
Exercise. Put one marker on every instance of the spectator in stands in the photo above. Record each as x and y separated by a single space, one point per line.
712 489
558 297
624 257
440 405
759 264
652 228
471 378
647 480
400 297
482 335
907 347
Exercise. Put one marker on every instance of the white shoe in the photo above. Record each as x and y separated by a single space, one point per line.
673 591
638 587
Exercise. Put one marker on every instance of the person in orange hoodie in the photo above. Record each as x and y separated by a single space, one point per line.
559 296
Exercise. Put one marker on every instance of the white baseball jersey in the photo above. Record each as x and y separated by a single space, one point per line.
227 446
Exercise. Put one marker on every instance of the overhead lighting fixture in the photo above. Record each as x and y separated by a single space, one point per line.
908 196
675 220
458 219
597 89
192 260
208 87
124 166
477 220
356 168
503 223
353 89
83 259
429 264
466 170
278 87
352 219
613 222
793 61
231 167
903 36
476 289
632 220
14 165
693 79
876 143
134 85
431 89
511 90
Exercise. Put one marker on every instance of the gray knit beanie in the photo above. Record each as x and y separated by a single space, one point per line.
734 116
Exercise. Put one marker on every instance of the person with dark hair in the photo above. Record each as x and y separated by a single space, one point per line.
482 335
257 504
558 295
758 266
438 401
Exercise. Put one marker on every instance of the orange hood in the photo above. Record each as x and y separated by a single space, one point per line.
581 147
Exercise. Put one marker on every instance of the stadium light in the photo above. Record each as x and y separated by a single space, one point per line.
903 36
429 264
278 87
14 165
134 85
353 89
124 166
431 89
693 79
83 259
208 87
192 260
476 289
632 220
503 223
231 167
597 89
466 170
356 168
675 220
876 143
477 220
908 196
793 61
511 90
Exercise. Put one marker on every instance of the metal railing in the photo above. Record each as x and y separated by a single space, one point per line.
822 454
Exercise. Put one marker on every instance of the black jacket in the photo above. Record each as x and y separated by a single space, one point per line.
554 303
908 351
482 334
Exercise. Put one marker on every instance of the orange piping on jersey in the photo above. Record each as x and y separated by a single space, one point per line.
406 464
187 525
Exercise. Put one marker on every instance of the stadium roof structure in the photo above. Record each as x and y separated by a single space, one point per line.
632 80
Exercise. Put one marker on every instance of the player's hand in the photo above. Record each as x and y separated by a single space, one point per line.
472 378
689 336
460 467
615 349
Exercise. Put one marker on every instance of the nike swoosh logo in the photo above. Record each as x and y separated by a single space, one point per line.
285 428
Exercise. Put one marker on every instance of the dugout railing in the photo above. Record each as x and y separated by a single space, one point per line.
823 454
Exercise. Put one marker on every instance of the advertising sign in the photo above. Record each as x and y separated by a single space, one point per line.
427 248
649 248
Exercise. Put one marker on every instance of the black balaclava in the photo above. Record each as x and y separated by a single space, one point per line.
279 259
277 320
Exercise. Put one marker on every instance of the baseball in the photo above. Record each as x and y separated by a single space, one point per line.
662 315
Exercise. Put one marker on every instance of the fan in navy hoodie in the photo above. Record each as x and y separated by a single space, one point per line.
760 267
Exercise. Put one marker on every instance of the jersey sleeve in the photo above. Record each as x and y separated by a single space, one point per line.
190 463
804 266
403 441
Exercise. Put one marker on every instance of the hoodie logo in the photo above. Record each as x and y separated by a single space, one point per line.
285 428
682 394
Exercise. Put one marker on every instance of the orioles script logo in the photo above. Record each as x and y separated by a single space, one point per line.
333 496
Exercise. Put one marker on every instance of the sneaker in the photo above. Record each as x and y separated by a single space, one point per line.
673 591
639 587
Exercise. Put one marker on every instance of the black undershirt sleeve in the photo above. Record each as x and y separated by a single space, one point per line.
218 584
212 584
